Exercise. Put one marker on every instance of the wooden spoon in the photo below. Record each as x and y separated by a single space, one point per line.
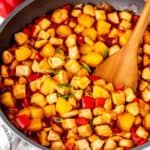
121 68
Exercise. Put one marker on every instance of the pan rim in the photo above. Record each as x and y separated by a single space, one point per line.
16 131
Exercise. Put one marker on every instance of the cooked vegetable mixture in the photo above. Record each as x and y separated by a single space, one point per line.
47 89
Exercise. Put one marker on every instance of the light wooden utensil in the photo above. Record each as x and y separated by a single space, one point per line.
121 68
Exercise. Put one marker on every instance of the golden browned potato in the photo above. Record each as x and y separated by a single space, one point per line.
43 138
38 99
35 125
7 57
125 121
85 130
19 91
50 110
7 99
36 112
103 130
21 38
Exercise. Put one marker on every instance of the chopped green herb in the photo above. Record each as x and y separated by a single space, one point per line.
57 119
64 85
106 53
86 67
65 96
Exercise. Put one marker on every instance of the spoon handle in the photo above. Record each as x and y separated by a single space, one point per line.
140 28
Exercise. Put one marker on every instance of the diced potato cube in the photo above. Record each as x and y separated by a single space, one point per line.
21 38
47 51
146 121
38 99
44 66
125 15
73 52
129 94
118 98
147 37
8 82
4 71
126 143
100 15
80 82
85 20
22 53
36 112
146 60
57 128
138 120
98 120
7 57
124 25
61 77
24 111
71 40
147 49
97 144
51 98
76 12
86 48
88 41
57 145
63 30
114 49
146 95
36 84
55 62
110 145
43 138
35 125
19 91
56 41
100 92
39 43
93 138
63 106
143 85
63 90
69 123
103 27
113 17
43 35
85 130
86 113
59 15
70 114
125 121
119 109
89 10
44 23
103 130
146 73
101 48
98 111
82 144
92 59
90 32
48 86
133 108
78 94
7 99
23 70
79 28
72 66
50 110
108 104
72 101
113 33
53 136
142 133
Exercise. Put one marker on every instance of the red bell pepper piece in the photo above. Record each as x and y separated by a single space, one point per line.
26 102
93 78
81 121
23 121
33 77
70 146
135 138
136 100
68 7
116 130
88 102
38 57
80 40
119 87
27 31
142 141
99 102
